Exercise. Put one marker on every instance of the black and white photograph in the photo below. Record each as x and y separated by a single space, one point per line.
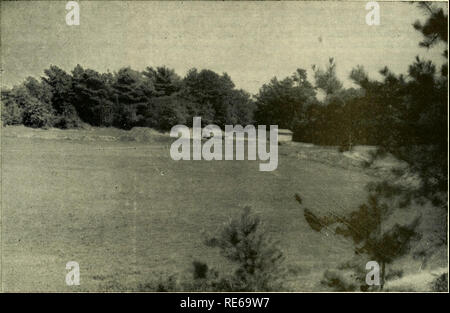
252 147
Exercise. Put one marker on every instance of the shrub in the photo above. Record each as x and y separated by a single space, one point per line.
11 113
35 114
207 279
258 259
68 119
368 228
441 283
337 281
162 284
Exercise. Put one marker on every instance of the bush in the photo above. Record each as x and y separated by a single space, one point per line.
11 114
162 284
338 281
372 231
258 259
35 114
68 119
440 284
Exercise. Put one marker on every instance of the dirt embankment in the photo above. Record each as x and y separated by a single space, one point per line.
360 158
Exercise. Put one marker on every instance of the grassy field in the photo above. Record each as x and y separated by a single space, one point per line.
125 211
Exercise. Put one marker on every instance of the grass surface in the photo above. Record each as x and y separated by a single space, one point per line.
125 211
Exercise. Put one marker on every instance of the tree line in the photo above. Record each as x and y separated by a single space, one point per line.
156 97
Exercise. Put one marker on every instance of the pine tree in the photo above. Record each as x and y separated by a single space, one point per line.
368 229
258 259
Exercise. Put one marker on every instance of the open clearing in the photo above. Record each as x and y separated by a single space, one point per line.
125 211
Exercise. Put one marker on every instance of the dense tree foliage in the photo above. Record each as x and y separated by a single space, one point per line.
283 103
156 97
405 115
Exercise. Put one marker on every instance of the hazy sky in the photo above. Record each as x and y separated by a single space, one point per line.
251 41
